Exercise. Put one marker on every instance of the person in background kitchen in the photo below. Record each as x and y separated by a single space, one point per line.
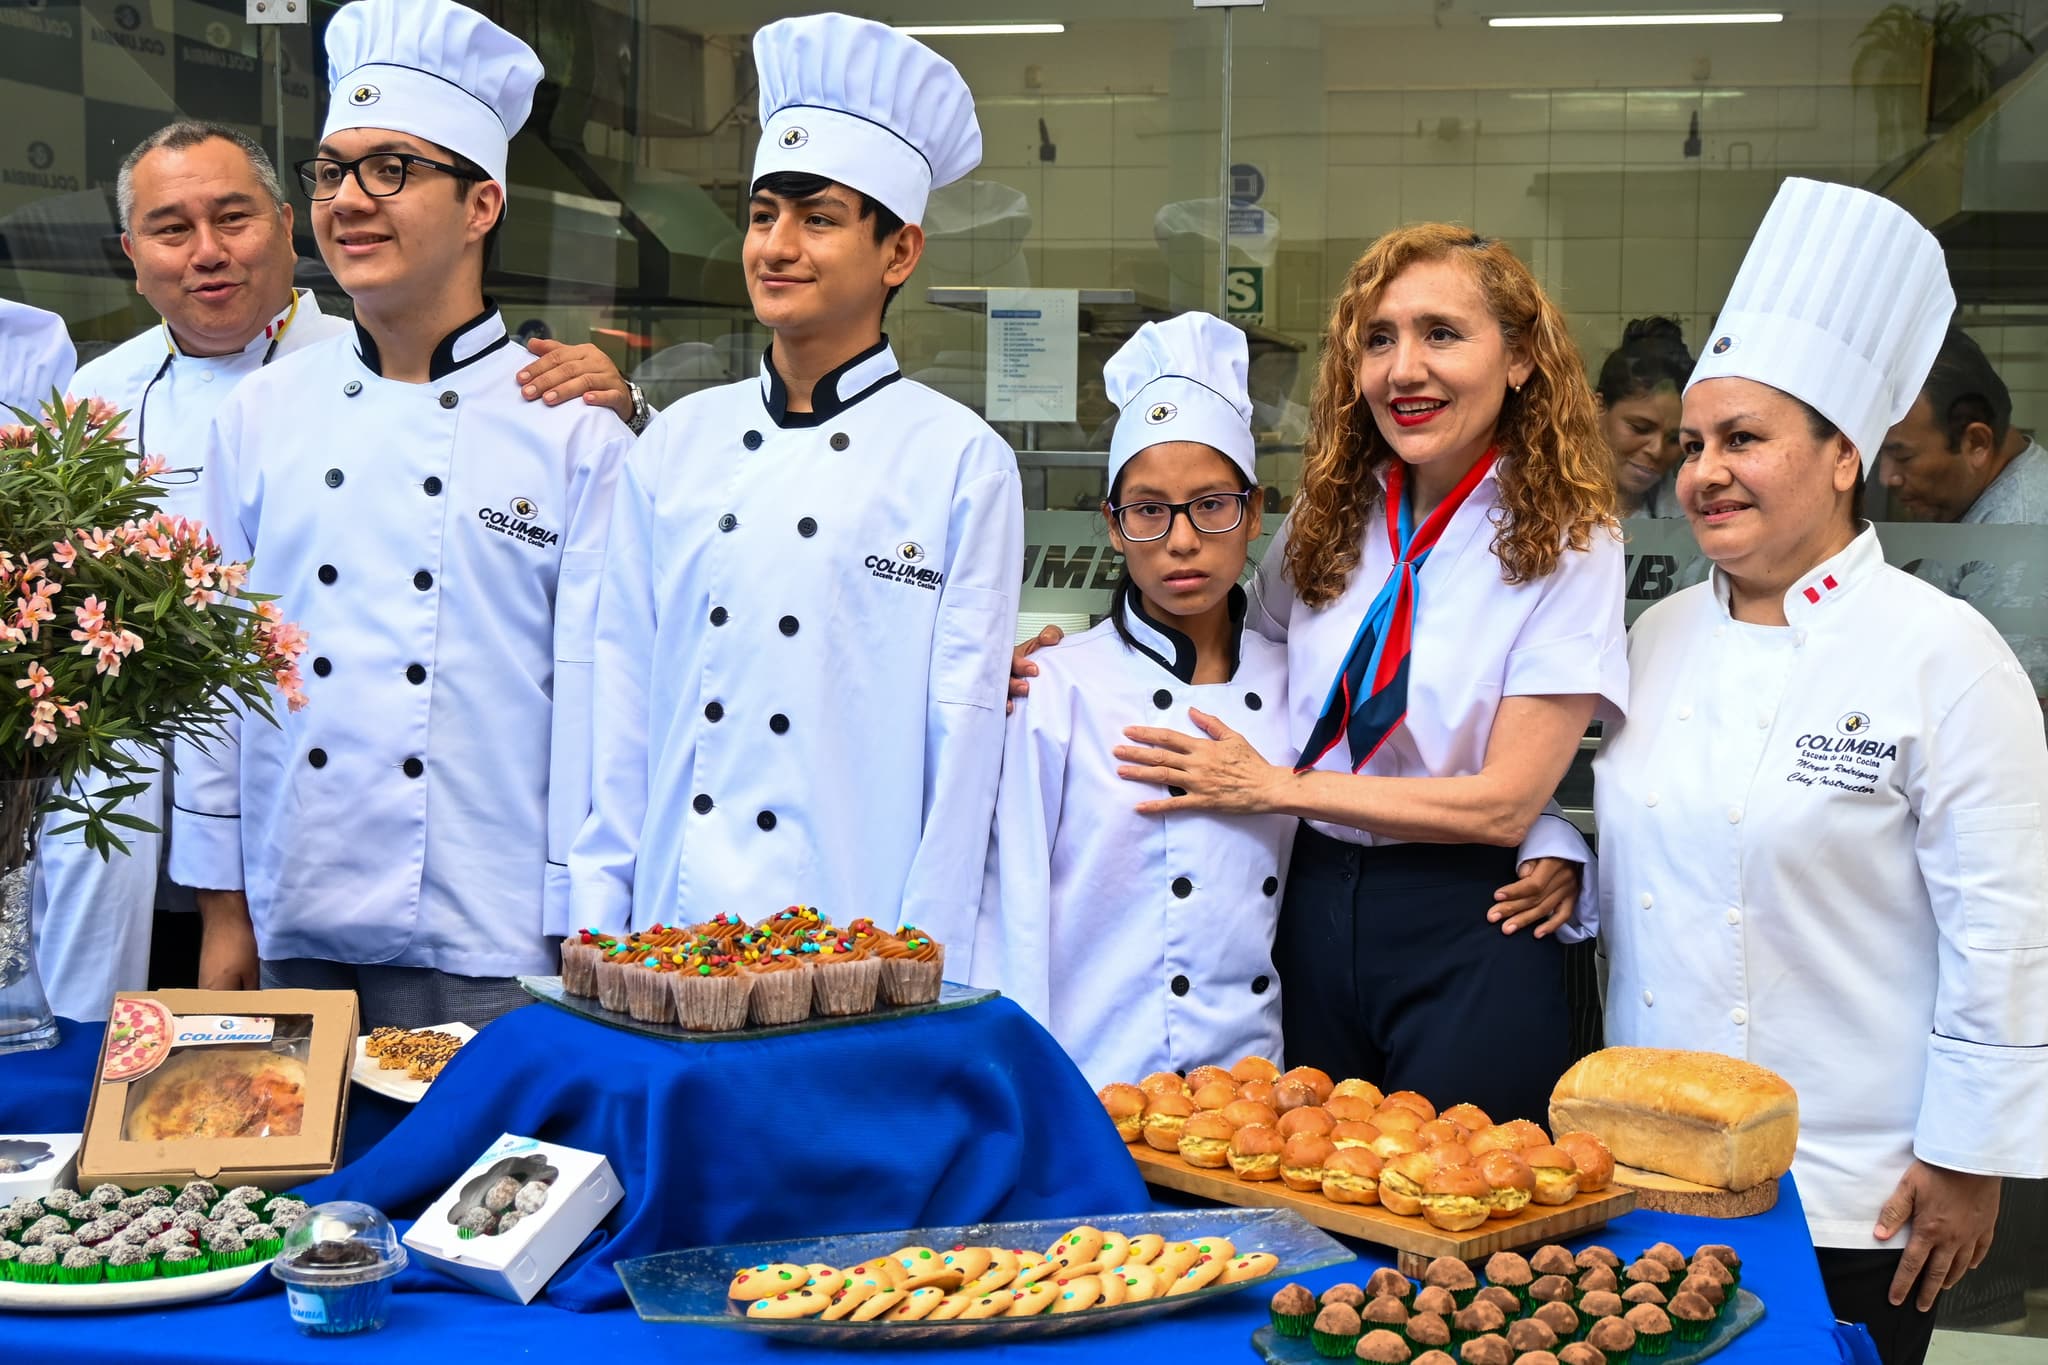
1637 392
1822 844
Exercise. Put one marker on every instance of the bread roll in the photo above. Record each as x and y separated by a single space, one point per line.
1699 1116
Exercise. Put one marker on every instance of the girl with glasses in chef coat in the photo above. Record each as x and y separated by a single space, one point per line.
1143 943
1822 843
1449 590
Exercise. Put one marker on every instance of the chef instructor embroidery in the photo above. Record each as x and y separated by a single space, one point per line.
1852 759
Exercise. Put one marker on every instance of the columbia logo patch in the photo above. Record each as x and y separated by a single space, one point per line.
1723 345
1855 723
523 507
910 552
793 137
1161 412
364 94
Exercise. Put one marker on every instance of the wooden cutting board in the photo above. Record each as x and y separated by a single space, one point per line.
1417 1240
1669 1194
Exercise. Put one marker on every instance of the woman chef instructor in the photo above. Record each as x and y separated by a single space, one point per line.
1821 828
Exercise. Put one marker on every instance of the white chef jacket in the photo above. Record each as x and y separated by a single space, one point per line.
803 650
1476 641
1822 849
36 357
441 544
1142 942
95 941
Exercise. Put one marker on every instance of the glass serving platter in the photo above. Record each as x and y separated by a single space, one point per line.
689 1286
952 996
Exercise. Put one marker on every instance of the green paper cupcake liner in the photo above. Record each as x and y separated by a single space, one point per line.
1618 1357
1293 1324
229 1260
172 1270
267 1248
1649 1344
1463 1297
91 1274
1686 1330
128 1274
34 1274
1332 1345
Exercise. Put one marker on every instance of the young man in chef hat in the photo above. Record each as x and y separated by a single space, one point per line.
1821 827
440 541
1144 942
813 575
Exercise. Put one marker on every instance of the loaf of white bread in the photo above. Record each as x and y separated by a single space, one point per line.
1698 1116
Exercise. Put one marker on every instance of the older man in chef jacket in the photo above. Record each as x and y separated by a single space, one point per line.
438 538
208 229
1822 825
813 574
36 356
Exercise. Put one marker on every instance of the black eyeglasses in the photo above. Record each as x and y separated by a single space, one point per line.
1212 514
381 174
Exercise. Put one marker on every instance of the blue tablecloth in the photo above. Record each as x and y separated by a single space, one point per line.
940 1120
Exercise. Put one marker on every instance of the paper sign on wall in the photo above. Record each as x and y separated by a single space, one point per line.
1033 354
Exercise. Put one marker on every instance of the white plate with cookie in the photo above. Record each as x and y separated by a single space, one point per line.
397 1083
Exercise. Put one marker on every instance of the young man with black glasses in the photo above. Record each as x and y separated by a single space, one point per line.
812 583
439 539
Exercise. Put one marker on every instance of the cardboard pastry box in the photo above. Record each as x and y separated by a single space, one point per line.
554 1196
236 1087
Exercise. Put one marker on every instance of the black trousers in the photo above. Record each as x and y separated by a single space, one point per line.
1859 1287
1390 972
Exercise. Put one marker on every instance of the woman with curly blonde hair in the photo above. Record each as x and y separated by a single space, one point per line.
1449 588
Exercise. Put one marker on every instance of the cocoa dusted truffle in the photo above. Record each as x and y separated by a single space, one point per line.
1508 1269
1384 1311
1714 1251
1535 1358
1589 1257
1428 1329
1388 1282
1710 1290
1337 1320
1435 1357
1602 1304
1486 1350
1559 1318
1293 1300
1479 1319
1435 1299
1599 1277
1670 1256
1552 1289
1553 1260
1350 1295
1613 1336
1648 1320
1643 1293
1690 1307
1647 1271
1503 1299
1449 1273
1580 1353
1708 1267
1530 1335
1382 1348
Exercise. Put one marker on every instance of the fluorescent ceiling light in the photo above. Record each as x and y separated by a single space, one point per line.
1629 20
974 30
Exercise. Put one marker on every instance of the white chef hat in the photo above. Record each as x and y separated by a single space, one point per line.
1842 302
1181 380
862 104
431 68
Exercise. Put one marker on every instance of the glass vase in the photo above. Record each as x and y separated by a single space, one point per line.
26 1023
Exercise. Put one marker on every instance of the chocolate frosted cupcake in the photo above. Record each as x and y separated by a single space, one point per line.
1382 1347
648 997
581 952
1653 1329
782 988
790 927
615 968
710 993
725 928
847 976
912 964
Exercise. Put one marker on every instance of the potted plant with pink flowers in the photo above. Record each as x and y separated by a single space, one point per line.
121 628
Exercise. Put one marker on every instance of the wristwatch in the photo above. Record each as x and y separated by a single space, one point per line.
642 414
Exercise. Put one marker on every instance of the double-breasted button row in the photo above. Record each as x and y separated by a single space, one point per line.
703 805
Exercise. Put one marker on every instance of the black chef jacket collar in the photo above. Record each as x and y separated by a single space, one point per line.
1169 648
839 389
466 345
